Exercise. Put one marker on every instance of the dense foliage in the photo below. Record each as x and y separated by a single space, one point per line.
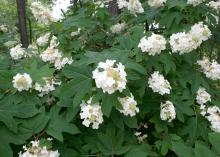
142 83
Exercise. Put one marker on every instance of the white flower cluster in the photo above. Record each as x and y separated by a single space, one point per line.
210 69
182 43
59 7
186 42
140 137
91 114
47 87
118 28
17 52
159 84
167 111
202 96
43 40
22 82
41 13
35 150
122 4
129 106
75 33
194 2
135 6
212 114
110 76
53 55
46 15
153 44
3 28
215 5
156 3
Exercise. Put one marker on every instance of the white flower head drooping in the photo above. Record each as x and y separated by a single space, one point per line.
36 150
43 40
156 3
110 77
91 114
22 82
129 106
210 69
17 52
118 28
135 6
194 2
167 111
200 32
153 45
159 84
49 86
202 96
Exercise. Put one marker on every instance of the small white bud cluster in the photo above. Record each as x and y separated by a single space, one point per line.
159 84
91 114
210 69
129 106
167 111
35 150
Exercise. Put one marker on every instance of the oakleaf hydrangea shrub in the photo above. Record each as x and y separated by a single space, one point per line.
143 81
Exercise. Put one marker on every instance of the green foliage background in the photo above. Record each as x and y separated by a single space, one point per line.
25 116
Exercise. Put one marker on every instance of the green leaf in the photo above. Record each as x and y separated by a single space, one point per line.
202 150
58 125
11 107
143 150
182 150
38 73
108 101
214 139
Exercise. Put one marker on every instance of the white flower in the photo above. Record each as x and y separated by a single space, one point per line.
17 52
194 2
91 114
22 82
167 111
213 116
60 63
158 84
51 54
47 87
110 76
117 28
35 150
200 32
215 5
202 96
59 7
129 106
153 44
73 34
122 4
210 69
182 42
156 3
3 28
134 6
43 40
41 13
140 137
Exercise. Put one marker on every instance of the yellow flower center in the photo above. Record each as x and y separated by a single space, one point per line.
113 73
22 81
